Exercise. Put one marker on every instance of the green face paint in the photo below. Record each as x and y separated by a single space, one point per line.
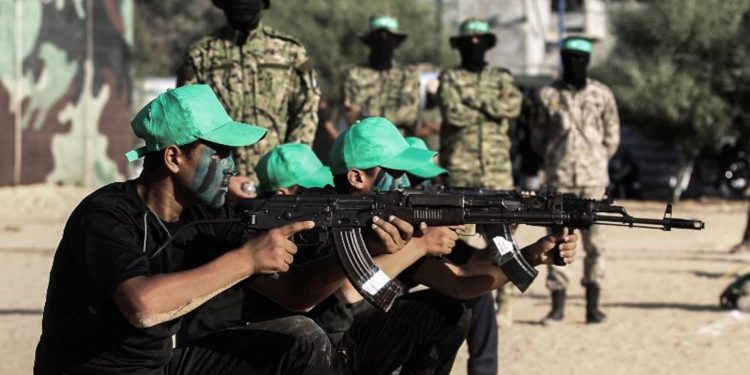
211 181
389 180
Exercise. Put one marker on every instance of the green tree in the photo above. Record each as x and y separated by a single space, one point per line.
679 69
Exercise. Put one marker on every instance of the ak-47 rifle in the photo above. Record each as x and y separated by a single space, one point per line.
343 216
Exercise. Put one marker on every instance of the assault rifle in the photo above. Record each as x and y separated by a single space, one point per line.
344 216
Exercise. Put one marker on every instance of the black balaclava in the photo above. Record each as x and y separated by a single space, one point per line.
382 44
575 66
472 54
243 15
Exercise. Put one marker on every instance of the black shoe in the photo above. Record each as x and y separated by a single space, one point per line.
593 315
558 307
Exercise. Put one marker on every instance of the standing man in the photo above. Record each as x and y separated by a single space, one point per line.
382 87
478 103
577 130
260 75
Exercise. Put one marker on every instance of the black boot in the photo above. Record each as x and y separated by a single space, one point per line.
558 307
593 315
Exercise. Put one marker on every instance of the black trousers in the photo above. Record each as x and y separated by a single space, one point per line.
482 339
421 334
288 345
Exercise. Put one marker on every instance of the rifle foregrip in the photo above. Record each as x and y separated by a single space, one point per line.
557 258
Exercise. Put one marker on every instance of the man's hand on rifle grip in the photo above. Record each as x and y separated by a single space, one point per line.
437 241
542 251
273 251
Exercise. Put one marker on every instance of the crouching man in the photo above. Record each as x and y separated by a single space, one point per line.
120 283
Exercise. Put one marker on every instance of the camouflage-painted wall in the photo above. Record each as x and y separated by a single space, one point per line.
64 90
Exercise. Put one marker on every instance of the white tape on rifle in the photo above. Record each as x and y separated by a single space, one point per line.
376 282
503 246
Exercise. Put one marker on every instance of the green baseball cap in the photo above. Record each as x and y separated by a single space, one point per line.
185 114
374 142
292 164
428 170
578 44
474 27
386 23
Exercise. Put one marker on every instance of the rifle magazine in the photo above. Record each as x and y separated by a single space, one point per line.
508 256
366 277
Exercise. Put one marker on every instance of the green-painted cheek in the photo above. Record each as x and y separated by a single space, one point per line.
209 178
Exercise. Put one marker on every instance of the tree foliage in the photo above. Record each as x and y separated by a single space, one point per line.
329 30
679 69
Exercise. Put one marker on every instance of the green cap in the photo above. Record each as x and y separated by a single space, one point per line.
474 27
577 43
182 115
292 164
374 142
386 23
428 170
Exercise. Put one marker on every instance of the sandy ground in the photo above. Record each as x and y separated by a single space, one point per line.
661 295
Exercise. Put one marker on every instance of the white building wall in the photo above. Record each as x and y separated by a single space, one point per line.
527 30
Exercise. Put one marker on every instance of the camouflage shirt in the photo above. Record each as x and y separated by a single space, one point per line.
477 110
265 79
576 132
393 93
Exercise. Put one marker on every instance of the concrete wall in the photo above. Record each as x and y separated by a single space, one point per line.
64 90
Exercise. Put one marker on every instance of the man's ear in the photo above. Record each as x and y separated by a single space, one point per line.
357 179
291 190
173 158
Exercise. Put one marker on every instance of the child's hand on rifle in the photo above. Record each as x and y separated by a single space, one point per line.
388 236
540 252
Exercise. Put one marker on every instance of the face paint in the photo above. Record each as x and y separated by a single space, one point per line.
419 183
390 181
212 173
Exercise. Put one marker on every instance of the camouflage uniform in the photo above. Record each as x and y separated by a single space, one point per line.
393 94
265 80
477 110
577 132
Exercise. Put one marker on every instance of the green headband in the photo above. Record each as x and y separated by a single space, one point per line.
576 44
383 22
475 27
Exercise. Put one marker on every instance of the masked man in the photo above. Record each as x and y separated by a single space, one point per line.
382 87
260 75
478 104
576 128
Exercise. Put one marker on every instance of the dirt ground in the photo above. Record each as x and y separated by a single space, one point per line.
661 295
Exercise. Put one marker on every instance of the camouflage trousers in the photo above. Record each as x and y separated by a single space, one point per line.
593 248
